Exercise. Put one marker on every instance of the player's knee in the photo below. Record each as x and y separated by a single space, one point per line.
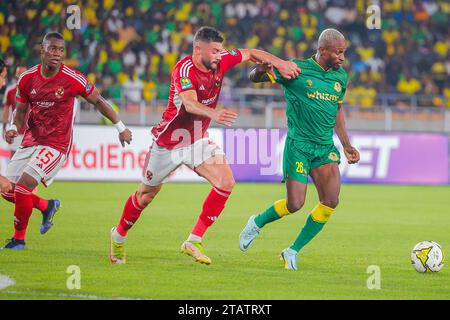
332 202
226 183
295 205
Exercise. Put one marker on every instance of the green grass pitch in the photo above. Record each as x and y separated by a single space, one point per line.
373 225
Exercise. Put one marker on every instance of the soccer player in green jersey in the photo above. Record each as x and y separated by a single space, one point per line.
314 108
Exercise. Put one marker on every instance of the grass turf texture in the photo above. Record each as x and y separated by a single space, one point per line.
373 225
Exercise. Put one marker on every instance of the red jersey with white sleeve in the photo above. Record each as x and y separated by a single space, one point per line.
10 102
186 76
51 103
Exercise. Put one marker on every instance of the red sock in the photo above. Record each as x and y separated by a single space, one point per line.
8 196
22 211
38 203
212 207
131 213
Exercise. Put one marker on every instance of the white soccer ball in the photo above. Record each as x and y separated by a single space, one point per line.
427 256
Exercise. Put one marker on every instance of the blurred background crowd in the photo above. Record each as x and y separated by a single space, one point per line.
130 47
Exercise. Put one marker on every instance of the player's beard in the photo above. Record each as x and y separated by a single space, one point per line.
208 65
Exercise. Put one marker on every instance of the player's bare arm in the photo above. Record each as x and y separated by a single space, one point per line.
2 83
340 128
18 122
288 69
103 106
5 118
221 116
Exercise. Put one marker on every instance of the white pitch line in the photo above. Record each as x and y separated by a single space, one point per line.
6 281
66 295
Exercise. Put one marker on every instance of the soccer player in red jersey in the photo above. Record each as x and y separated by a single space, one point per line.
8 111
181 137
49 89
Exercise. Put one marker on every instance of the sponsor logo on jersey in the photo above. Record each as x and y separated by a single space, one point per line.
322 96
233 52
337 87
210 100
333 156
45 104
59 93
185 83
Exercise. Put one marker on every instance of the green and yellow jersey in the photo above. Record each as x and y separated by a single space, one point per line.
312 101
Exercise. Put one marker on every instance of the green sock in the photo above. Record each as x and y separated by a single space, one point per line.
267 216
309 231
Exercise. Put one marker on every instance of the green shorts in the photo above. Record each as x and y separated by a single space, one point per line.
300 157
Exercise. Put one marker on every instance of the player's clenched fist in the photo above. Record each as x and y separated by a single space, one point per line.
352 154
224 117
289 69
10 135
125 136
5 185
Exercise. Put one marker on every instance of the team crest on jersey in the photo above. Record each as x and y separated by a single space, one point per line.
185 83
59 92
233 52
218 82
18 92
333 156
337 87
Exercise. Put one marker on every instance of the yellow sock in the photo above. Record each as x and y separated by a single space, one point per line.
321 213
280 207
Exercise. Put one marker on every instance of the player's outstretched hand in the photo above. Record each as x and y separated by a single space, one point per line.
352 154
10 135
289 69
225 117
5 185
125 136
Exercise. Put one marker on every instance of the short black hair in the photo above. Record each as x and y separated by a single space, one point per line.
52 35
208 34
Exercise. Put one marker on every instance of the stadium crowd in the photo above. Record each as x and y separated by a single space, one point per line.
124 45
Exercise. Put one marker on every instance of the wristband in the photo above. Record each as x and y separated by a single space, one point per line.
12 127
120 126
